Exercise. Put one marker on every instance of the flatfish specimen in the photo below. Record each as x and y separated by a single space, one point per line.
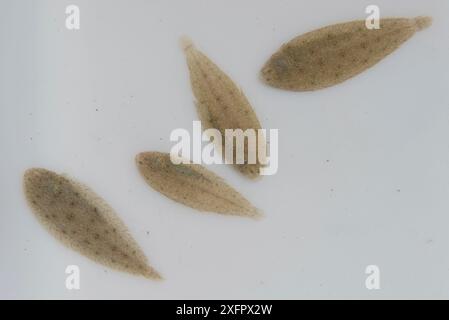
80 219
333 54
221 104
192 185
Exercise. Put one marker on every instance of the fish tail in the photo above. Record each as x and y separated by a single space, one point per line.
422 22
186 43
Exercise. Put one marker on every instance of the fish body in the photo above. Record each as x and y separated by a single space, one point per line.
333 54
192 185
80 219
221 104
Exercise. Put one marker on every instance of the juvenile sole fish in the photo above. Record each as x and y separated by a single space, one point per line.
192 185
333 54
220 103
80 219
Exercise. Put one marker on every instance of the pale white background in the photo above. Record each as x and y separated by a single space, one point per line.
363 170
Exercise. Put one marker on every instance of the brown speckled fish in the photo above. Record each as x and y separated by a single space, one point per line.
76 216
192 185
333 54
220 103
